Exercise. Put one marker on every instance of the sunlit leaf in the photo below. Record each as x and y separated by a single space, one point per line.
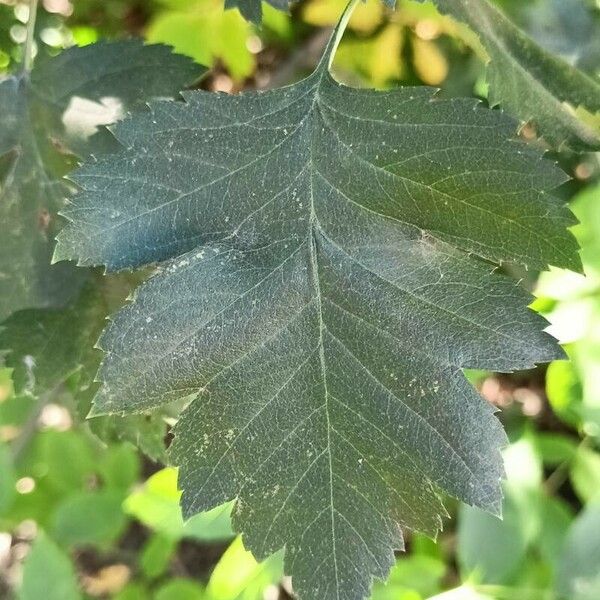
157 506
202 30
238 576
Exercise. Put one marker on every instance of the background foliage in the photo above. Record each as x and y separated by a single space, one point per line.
85 514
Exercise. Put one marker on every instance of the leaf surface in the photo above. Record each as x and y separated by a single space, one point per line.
46 117
527 80
329 266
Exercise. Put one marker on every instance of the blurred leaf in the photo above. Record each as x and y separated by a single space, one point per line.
574 388
133 591
45 347
66 458
377 59
120 466
157 506
555 448
180 589
498 562
570 28
579 571
89 518
156 555
45 116
326 13
238 576
528 81
564 391
412 576
585 474
556 517
48 573
429 61
202 30
464 592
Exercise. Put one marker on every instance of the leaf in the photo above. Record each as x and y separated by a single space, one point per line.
579 569
180 589
157 506
527 80
202 30
90 518
237 576
48 573
331 267
46 116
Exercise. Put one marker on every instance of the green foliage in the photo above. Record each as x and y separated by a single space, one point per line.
46 558
157 505
300 233
200 29
441 205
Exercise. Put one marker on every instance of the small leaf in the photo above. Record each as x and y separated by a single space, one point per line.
578 574
157 506
331 267
202 30
238 576
48 573
527 80
89 518
45 117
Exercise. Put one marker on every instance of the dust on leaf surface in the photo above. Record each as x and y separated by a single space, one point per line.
329 266
46 117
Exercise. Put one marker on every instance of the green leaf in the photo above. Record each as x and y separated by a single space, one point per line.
498 562
156 555
48 573
202 30
527 80
90 518
585 474
45 116
416 576
180 589
332 266
157 506
120 466
578 574
238 576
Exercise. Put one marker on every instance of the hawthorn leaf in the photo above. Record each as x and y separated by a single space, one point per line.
527 80
329 265
46 116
